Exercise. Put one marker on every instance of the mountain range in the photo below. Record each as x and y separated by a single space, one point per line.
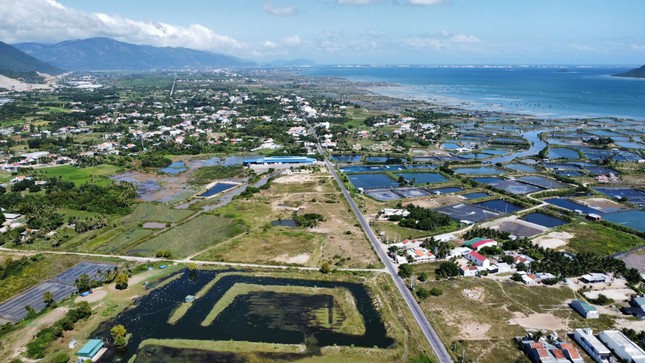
634 73
95 54
17 64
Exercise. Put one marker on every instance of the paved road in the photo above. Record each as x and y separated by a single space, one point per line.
185 260
431 335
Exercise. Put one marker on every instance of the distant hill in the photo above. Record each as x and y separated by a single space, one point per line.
108 54
634 73
17 64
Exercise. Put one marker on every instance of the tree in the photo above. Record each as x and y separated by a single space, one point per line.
423 277
83 283
435 291
48 298
447 269
422 293
405 270
60 357
326 267
121 281
119 333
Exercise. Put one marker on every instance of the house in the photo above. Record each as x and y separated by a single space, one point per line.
389 212
540 352
503 267
478 259
594 278
20 178
541 276
594 347
469 271
570 352
420 255
520 258
90 350
622 346
479 243
529 279
583 308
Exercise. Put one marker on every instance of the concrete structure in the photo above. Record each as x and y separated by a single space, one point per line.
594 347
389 212
90 350
280 160
594 278
624 348
190 298
583 308
458 252
503 267
479 243
478 259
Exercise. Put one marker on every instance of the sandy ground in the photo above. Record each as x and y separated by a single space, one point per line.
538 321
614 294
553 240
635 260
439 201
300 259
297 178
154 225
601 203
468 329
16 85
637 325
45 320
97 295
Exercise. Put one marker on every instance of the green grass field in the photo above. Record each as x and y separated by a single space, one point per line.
82 175
155 212
191 237
599 239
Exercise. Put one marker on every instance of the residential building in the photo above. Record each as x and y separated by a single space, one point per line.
622 346
458 252
469 271
478 259
570 352
590 344
583 308
420 255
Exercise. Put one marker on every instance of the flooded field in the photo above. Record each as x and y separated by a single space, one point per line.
217 188
270 317
482 170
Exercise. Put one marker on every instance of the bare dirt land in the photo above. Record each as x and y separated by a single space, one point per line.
439 201
614 294
97 295
539 321
16 85
603 204
46 320
553 240
635 260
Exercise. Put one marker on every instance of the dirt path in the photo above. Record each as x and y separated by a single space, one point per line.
35 326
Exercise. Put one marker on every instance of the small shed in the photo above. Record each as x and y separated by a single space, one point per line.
89 350
190 298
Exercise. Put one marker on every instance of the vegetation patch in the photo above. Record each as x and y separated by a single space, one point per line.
207 174
191 237
600 239
155 212
225 346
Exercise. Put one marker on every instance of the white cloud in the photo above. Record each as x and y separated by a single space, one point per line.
50 21
426 2
443 40
285 11
292 41
356 2
270 44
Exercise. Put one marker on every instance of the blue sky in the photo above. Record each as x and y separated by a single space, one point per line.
352 31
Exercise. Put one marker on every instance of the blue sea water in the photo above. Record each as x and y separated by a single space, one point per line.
571 91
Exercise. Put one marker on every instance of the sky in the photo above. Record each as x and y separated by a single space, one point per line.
351 31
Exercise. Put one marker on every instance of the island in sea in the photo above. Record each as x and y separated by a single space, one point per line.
634 73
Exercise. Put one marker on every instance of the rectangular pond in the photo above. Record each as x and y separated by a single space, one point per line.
217 188
499 205
572 206
347 158
372 181
633 195
542 182
447 190
521 168
490 180
516 187
264 316
544 220
475 195
482 170
423 178
468 212
634 219
563 153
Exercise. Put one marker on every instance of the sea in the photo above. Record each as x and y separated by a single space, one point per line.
543 91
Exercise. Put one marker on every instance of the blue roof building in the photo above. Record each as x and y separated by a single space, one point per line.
280 160
90 349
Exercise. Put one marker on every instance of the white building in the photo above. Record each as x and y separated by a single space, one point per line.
594 347
458 252
583 308
624 348
469 271
478 259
